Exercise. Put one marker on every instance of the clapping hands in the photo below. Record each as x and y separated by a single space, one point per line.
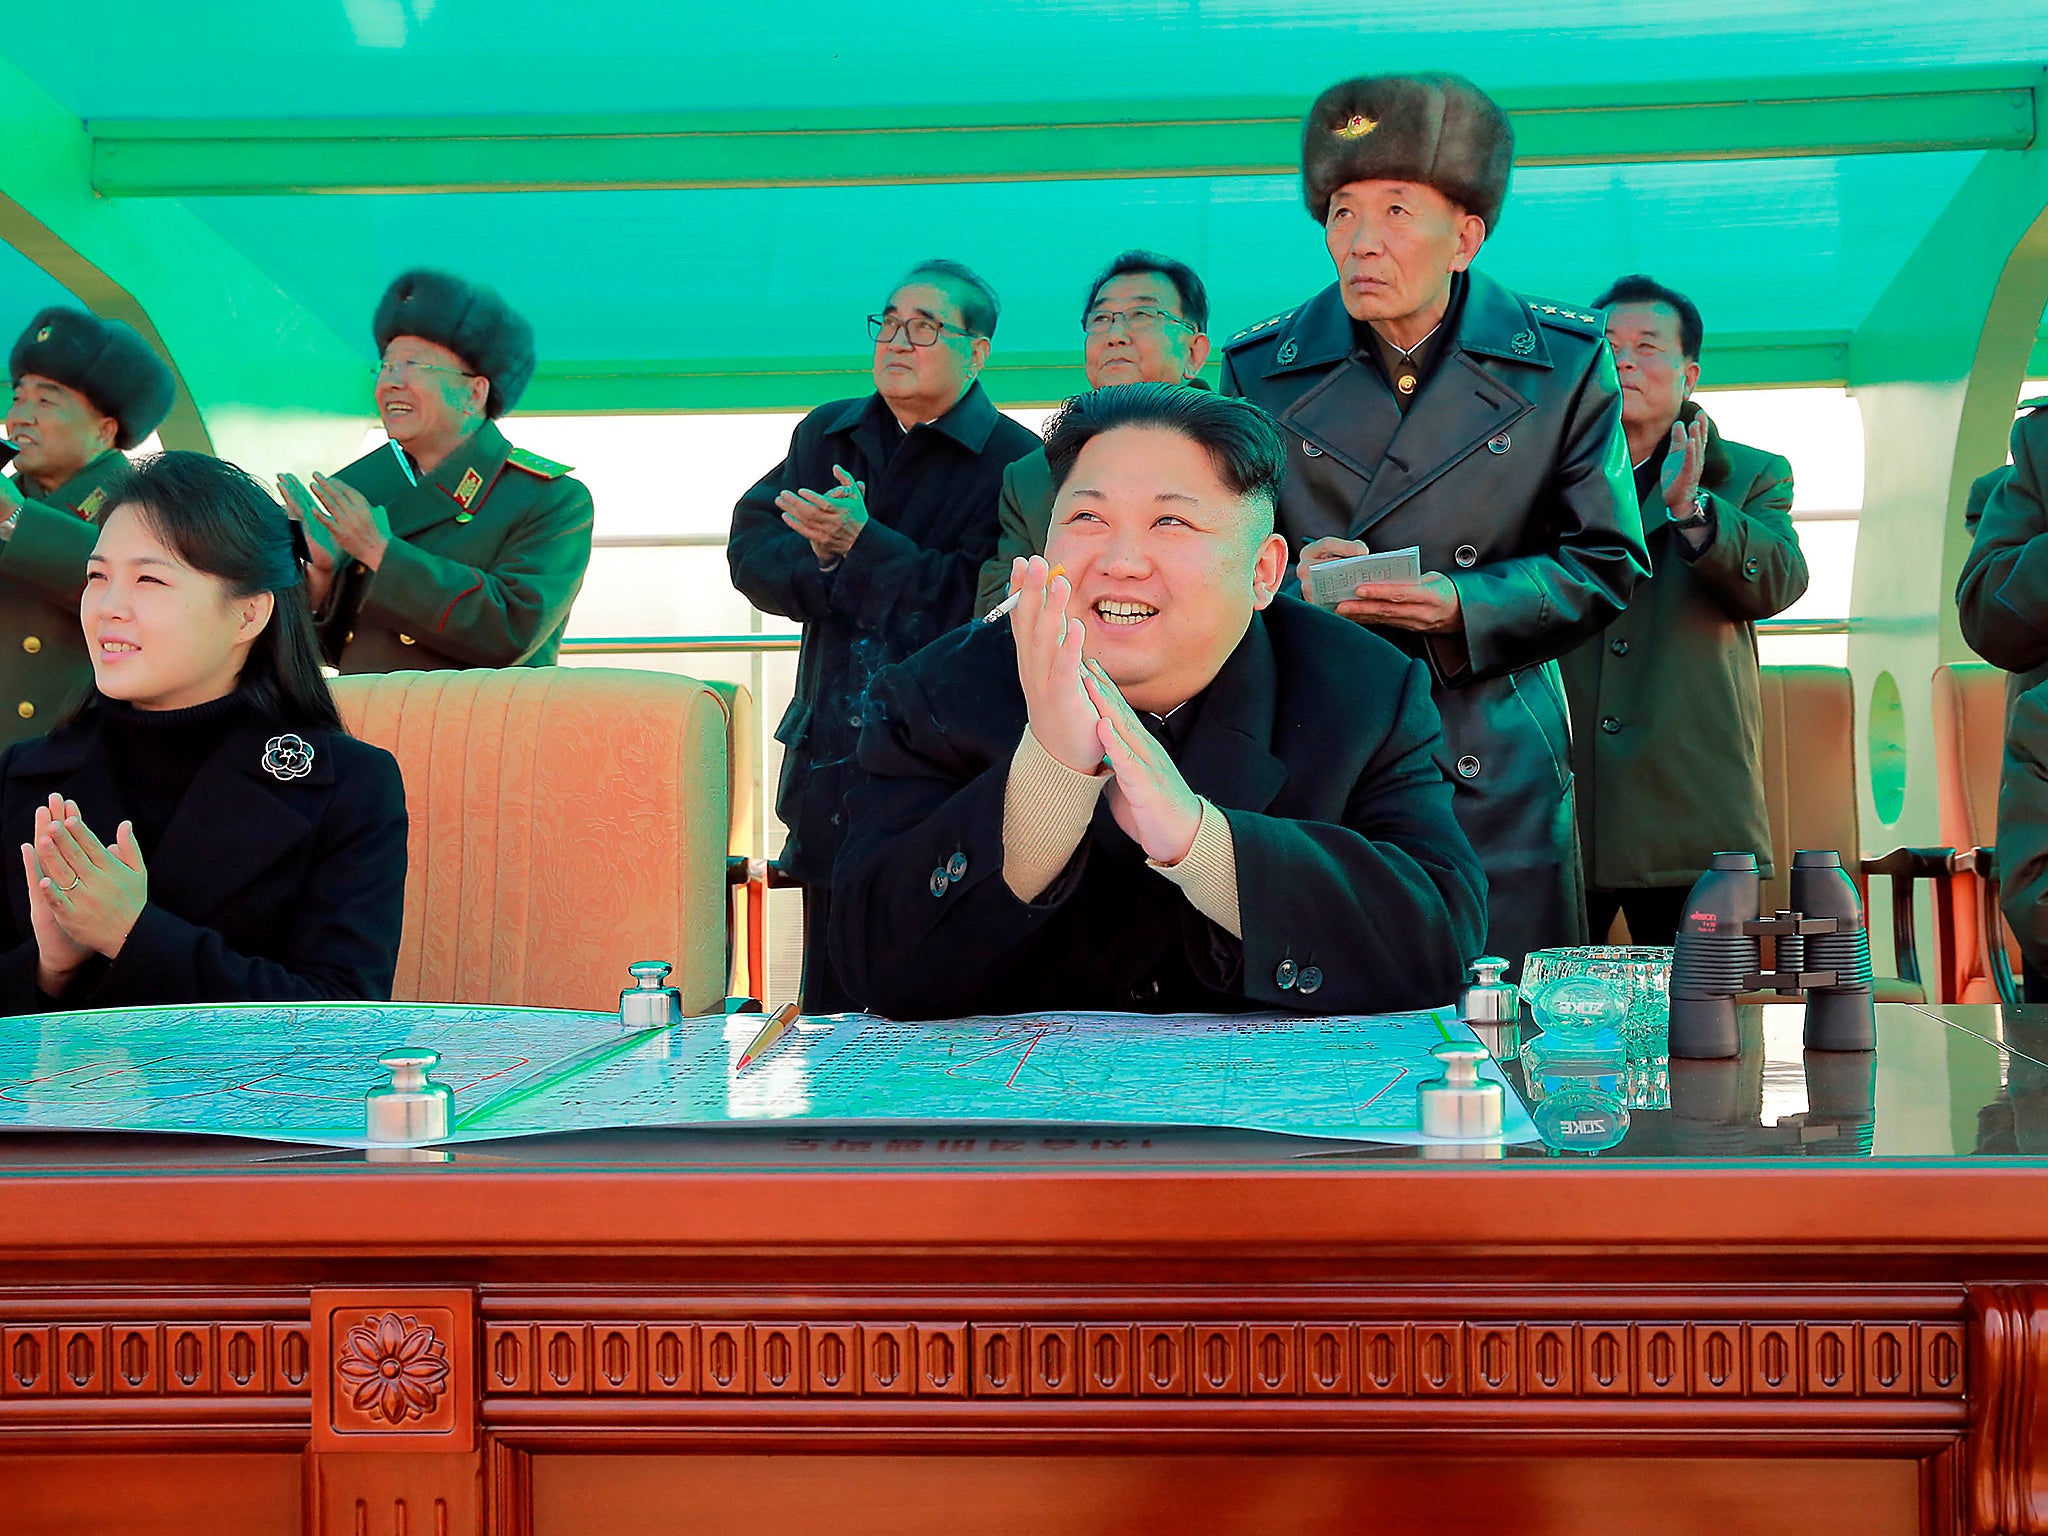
83 897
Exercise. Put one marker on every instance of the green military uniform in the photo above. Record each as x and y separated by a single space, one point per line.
43 662
1024 518
487 553
44 665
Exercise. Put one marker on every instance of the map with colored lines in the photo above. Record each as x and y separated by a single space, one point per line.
1349 1078
300 1072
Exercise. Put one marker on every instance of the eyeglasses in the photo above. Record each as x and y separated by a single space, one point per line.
1138 322
399 370
923 332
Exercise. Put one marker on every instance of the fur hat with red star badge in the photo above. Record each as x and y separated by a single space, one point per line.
106 361
1439 130
469 320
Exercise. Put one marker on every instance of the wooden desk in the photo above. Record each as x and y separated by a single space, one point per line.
1809 1297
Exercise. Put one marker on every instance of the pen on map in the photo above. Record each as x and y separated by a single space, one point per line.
776 1027
1011 601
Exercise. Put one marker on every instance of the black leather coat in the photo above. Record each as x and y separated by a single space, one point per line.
1511 473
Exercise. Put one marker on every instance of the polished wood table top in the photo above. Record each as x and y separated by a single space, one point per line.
1813 1291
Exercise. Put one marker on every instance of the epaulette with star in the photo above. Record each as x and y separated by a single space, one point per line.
534 464
1261 328
1564 317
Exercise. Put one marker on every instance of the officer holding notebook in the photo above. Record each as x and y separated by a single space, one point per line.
1429 409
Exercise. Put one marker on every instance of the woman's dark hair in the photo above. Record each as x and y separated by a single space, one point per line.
217 519
1242 441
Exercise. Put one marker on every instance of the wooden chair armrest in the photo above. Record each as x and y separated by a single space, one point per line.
1904 866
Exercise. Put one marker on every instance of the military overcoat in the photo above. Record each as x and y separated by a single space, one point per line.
2002 595
1667 706
44 667
487 554
1511 473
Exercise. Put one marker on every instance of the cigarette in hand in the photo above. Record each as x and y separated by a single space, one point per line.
1011 601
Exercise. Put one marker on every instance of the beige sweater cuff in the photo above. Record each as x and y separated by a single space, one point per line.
1207 872
1046 810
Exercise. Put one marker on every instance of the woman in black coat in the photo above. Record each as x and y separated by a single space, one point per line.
202 829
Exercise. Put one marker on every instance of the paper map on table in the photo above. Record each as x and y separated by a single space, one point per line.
292 1072
299 1073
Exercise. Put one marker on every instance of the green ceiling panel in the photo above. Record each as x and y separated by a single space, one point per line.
696 204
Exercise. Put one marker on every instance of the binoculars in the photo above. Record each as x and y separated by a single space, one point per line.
1822 951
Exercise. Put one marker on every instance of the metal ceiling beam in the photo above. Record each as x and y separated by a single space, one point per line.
1931 109
1022 379
253 370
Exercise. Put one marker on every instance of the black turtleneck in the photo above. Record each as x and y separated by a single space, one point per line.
156 755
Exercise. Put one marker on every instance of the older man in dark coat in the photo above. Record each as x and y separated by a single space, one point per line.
1429 406
1160 787
1667 702
871 532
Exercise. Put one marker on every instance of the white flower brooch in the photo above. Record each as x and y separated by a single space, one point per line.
287 757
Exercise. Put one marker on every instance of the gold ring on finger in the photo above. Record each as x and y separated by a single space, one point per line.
76 882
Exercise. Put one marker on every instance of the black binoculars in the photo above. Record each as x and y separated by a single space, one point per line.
1821 951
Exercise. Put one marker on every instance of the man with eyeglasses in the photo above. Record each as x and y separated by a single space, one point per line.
446 547
84 390
1146 320
871 532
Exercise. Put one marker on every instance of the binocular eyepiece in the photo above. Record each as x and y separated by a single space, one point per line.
1822 951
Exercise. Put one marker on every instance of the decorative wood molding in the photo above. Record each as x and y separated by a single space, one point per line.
394 1370
2008 1429
962 1361
85 1359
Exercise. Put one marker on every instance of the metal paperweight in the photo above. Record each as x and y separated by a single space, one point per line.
1491 1008
647 1004
411 1109
1458 1104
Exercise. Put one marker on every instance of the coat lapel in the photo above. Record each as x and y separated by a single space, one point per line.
73 763
456 489
1468 400
1228 758
1349 413
233 790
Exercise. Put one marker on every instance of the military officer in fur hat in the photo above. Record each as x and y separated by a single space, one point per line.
446 547
1427 405
84 389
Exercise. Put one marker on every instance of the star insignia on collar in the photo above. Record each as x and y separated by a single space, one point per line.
1358 127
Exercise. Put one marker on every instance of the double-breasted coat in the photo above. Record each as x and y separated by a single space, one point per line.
1510 471
260 889
1357 890
44 666
1667 704
909 577
487 554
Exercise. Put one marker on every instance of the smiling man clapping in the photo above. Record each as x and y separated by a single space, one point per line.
1161 786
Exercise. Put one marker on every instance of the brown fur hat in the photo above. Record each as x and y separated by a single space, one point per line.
1440 130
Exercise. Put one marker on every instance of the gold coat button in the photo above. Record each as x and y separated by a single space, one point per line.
26 710
405 639
31 644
